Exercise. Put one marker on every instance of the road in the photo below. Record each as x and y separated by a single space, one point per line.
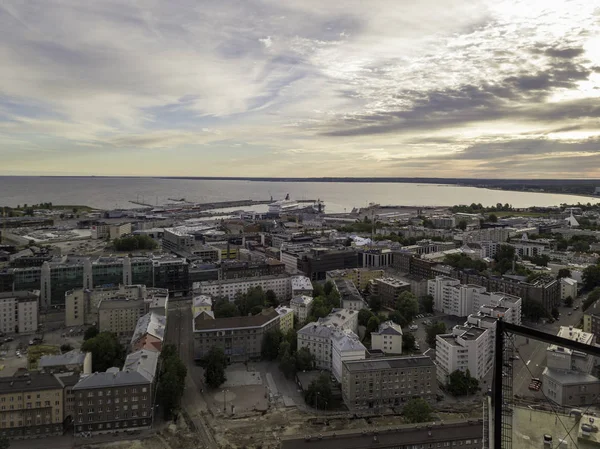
179 333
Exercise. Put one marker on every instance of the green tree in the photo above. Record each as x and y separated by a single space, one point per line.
90 332
287 362
408 305
591 298
533 310
417 411
591 277
171 381
215 364
555 313
318 394
270 344
4 443
305 360
223 308
563 273
398 318
328 287
65 347
271 299
569 301
375 303
106 351
372 325
461 383
408 342
462 224
434 329
492 218
364 315
428 304
291 336
134 242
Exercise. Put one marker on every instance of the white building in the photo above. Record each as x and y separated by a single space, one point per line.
568 287
465 348
388 338
435 288
117 231
567 359
301 285
317 339
19 312
286 318
350 297
345 346
201 303
229 288
341 319
302 306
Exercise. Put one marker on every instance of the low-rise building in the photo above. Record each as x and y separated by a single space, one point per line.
341 319
19 312
149 332
120 315
32 406
117 400
387 382
240 337
72 361
345 346
302 306
229 288
286 318
389 290
568 288
301 286
157 301
388 338
119 230
201 303
569 388
350 297
317 339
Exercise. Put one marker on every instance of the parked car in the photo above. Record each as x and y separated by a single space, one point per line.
8 339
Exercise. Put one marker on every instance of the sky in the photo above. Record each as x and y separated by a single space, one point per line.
300 88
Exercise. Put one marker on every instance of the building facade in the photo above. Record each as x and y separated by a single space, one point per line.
345 346
19 312
389 290
387 382
120 315
360 277
350 297
388 338
229 288
302 306
465 348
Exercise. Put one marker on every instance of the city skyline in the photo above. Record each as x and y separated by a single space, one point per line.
503 89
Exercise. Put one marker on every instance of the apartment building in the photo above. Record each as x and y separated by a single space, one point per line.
301 286
286 318
240 337
388 338
183 238
19 312
119 230
436 288
201 303
31 406
389 290
229 288
350 297
120 315
591 320
149 333
496 234
317 339
466 347
462 434
345 346
387 382
117 400
567 378
372 257
205 253
568 288
236 269
81 305
318 261
360 277
341 319
302 306
428 246
72 361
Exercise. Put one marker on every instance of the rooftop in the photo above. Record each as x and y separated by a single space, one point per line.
347 341
29 382
393 282
565 377
202 301
301 300
316 330
301 283
74 357
237 322
379 364
251 279
143 362
389 328
338 317
152 324
112 378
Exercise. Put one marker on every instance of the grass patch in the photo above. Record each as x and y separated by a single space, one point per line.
34 353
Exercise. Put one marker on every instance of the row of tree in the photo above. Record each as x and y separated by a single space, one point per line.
134 242
171 381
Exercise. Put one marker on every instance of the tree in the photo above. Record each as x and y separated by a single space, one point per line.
305 360
591 298
271 299
417 411
134 242
462 224
171 381
270 344
493 218
287 362
461 383
563 273
533 310
397 318
569 301
408 342
555 313
66 347
4 443
291 336
434 329
375 303
90 332
591 277
328 287
407 305
106 351
363 316
224 308
372 325
428 304
214 371
318 394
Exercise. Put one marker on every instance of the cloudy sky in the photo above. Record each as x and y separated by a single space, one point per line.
458 88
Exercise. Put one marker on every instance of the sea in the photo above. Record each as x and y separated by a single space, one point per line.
120 192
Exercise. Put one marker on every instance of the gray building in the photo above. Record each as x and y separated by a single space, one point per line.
240 337
570 388
117 399
387 382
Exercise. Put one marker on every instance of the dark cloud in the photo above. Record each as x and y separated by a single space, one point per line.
567 53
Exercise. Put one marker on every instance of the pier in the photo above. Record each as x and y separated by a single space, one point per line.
217 204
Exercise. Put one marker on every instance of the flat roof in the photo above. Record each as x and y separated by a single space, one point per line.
388 363
31 381
235 322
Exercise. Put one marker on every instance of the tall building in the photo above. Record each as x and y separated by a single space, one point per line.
120 315
19 312
389 290
465 348
387 382
229 288
345 346
318 261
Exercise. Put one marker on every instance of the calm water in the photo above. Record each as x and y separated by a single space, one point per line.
108 193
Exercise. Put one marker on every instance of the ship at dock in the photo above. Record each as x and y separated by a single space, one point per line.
288 205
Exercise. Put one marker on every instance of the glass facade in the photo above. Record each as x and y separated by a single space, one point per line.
27 278
142 272
107 274
63 279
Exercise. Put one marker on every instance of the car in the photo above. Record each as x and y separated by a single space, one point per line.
8 339
570 313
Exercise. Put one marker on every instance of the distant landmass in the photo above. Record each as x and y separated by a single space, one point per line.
566 186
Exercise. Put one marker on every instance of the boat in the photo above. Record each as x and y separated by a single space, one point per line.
288 205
